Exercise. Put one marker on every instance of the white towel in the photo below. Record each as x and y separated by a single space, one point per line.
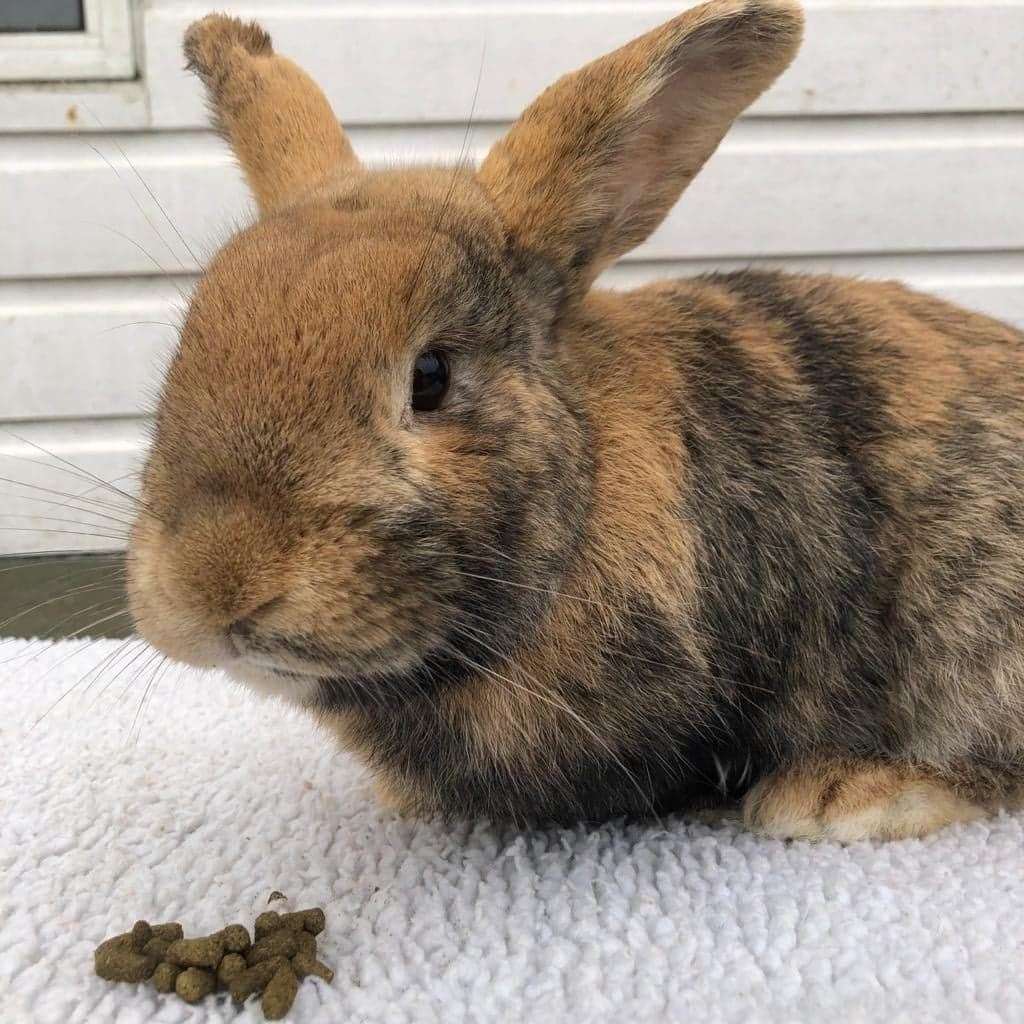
217 798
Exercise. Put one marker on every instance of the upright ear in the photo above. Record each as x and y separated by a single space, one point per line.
273 115
595 163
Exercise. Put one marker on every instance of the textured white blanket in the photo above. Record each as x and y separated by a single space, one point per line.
217 798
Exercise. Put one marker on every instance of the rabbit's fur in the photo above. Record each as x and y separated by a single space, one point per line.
747 537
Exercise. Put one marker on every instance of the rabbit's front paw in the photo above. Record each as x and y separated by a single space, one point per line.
848 800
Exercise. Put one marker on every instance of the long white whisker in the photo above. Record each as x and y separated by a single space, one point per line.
160 206
44 641
141 208
60 597
65 494
562 705
78 470
150 687
78 682
99 514
120 672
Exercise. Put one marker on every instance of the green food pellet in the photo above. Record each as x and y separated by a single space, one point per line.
269 921
205 952
194 984
255 979
235 938
141 934
307 943
171 931
304 965
115 960
165 976
157 947
279 994
312 920
280 943
230 968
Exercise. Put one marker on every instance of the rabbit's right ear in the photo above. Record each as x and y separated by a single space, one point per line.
274 116
596 162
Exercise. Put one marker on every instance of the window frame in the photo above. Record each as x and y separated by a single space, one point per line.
103 51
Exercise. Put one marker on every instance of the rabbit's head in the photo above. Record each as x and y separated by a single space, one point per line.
372 458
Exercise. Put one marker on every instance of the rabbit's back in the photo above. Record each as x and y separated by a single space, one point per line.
851 468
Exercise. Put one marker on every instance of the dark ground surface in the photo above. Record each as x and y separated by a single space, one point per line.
68 595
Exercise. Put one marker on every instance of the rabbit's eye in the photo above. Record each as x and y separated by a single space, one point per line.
429 381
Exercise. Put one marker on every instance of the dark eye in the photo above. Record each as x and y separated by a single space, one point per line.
429 381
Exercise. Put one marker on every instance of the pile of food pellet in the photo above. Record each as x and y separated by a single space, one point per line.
283 953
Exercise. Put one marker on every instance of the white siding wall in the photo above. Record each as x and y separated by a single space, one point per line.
894 147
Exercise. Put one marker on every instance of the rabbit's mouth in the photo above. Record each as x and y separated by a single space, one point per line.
393 682
268 681
324 681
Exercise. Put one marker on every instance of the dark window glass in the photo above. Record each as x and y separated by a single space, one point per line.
41 16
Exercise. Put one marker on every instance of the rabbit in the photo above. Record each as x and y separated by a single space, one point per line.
536 551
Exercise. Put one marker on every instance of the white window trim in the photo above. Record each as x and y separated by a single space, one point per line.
102 51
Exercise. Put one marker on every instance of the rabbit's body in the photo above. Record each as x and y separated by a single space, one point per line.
834 465
540 551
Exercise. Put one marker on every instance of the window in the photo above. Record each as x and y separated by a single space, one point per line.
46 40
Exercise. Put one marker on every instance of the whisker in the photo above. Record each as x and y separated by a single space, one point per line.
138 675
64 494
150 687
139 503
152 195
597 604
139 323
107 584
145 185
141 208
99 513
120 672
45 639
730 685
563 706
36 556
491 547
446 202
702 701
78 682
465 555
122 648
50 519
78 469
52 600
67 533
44 465
156 263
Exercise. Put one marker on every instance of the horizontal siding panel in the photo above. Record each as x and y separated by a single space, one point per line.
419 62
96 348
73 106
84 349
47 506
793 187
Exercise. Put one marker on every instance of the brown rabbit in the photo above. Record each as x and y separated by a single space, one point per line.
540 551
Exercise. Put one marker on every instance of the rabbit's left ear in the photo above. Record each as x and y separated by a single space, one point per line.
592 167
274 116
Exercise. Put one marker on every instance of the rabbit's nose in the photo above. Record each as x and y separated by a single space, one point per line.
240 629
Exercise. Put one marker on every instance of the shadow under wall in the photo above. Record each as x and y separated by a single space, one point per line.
63 596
